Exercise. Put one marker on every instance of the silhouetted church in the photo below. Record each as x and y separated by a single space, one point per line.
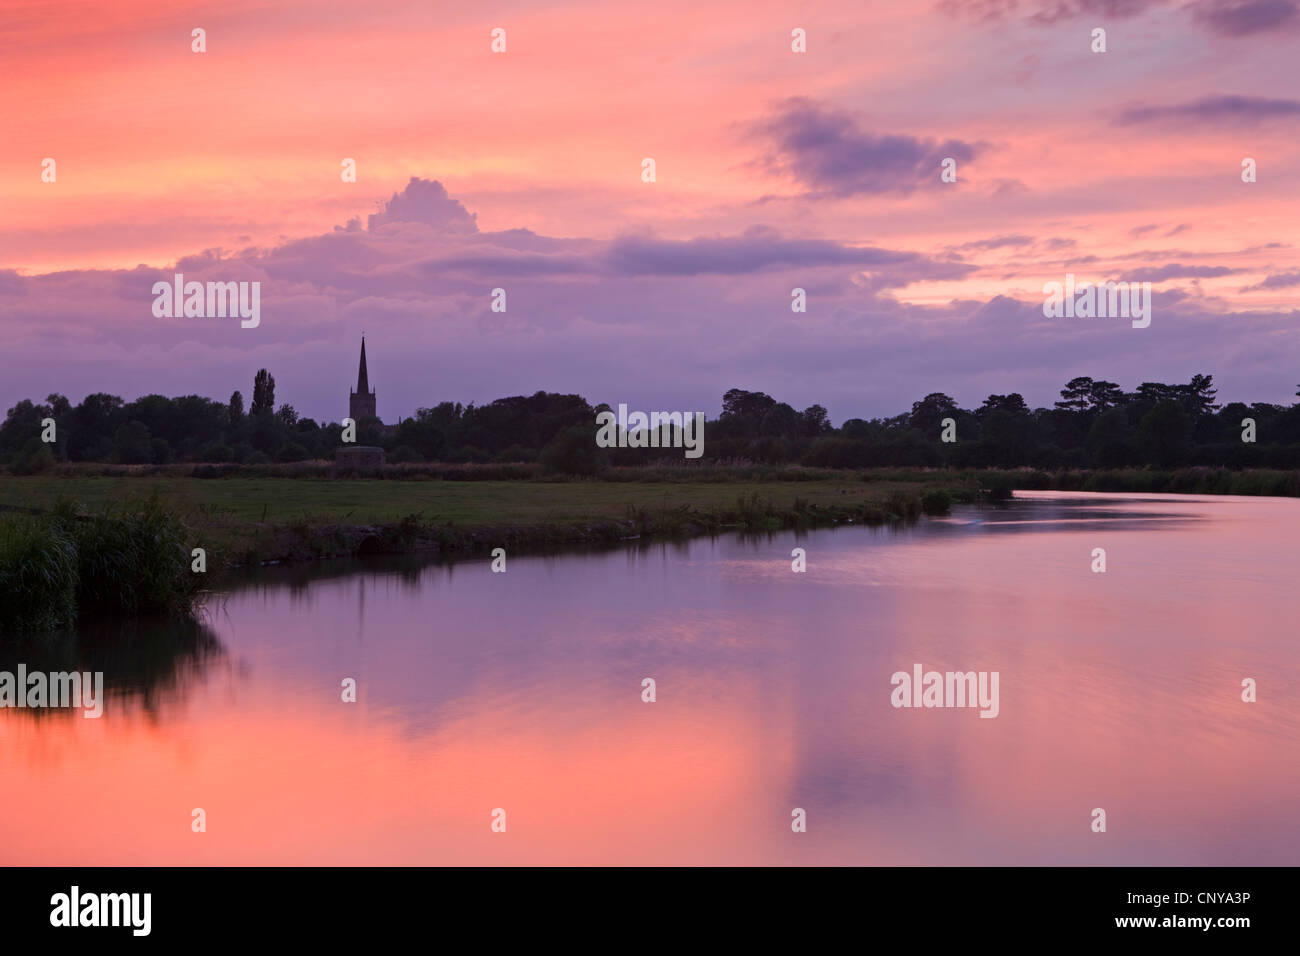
361 403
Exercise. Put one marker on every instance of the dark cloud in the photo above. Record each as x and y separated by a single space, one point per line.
1214 109
829 152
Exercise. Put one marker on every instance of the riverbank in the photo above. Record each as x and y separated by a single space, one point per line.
243 521
288 514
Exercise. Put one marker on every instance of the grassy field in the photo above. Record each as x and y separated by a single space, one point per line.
467 504
250 519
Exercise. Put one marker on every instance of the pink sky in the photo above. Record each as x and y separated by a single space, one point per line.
774 170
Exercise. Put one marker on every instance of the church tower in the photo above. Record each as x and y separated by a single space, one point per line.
361 403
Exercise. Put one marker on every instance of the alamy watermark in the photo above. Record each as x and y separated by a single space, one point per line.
58 689
655 430
212 300
923 688
1100 300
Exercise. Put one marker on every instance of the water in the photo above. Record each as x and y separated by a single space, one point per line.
522 691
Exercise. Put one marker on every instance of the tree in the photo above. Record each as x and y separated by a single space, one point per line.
1198 396
1104 395
929 412
1013 404
574 452
288 415
263 393
132 444
236 408
816 421
1076 395
1163 433
739 402
1110 440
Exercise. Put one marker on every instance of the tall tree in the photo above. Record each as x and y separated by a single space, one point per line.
236 408
1076 395
263 393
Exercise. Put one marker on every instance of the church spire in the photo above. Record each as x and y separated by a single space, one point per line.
363 380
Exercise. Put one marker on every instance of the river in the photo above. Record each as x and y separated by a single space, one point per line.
522 692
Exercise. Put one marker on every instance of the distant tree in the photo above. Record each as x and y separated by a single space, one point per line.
574 452
132 444
236 407
754 405
856 429
1163 433
780 421
816 421
1104 395
1198 396
263 393
929 412
59 405
288 416
1013 404
1156 392
1110 440
1077 394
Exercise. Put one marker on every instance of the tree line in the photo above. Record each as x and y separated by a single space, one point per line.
1095 424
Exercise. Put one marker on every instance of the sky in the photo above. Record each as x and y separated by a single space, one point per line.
523 170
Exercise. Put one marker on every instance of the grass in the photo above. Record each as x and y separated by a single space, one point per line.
130 556
246 519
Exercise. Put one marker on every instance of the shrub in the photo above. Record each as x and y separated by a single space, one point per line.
936 502
134 557
38 575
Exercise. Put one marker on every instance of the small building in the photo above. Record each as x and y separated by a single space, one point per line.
359 456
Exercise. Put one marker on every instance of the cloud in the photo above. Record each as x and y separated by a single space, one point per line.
996 242
1242 19
1284 280
1047 12
1214 109
1230 18
830 154
1175 270
425 201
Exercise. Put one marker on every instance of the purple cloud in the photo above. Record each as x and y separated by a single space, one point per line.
1175 270
425 201
1241 19
829 153
1213 109
1284 280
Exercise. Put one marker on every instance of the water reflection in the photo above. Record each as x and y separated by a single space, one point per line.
523 691
147 664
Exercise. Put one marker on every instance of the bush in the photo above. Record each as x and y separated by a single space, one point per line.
574 452
936 502
133 558
38 575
